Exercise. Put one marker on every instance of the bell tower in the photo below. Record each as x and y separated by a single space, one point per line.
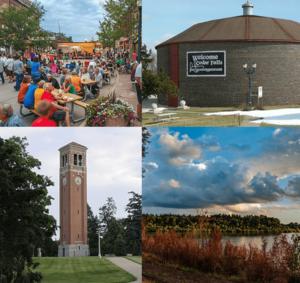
73 201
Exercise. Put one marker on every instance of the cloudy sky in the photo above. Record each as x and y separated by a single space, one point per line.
79 19
224 170
113 161
165 19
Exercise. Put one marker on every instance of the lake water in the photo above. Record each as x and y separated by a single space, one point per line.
240 240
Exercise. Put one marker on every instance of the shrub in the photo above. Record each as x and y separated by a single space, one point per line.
136 249
110 106
259 107
120 248
251 263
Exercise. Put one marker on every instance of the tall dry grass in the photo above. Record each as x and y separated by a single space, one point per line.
250 263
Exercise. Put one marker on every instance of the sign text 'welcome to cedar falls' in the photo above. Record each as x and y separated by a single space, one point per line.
206 64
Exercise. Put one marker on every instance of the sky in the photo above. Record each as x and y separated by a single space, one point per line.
165 19
223 170
79 19
113 162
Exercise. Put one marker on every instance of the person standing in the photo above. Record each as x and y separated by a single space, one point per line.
18 69
138 78
35 69
4 59
9 68
2 71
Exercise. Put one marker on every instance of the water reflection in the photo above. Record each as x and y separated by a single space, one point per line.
240 240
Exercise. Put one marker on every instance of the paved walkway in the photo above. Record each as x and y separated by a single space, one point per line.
131 267
120 83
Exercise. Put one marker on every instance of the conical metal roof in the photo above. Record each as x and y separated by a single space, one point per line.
240 28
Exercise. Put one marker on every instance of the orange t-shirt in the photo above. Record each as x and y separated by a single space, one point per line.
38 96
23 90
76 82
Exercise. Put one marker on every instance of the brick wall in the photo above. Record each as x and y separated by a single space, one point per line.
278 72
13 3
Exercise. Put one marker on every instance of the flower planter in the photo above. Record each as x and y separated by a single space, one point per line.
116 122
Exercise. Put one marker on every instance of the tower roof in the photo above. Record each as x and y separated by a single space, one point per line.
73 144
240 28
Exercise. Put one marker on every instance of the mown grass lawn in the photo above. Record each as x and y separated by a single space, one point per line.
137 259
81 269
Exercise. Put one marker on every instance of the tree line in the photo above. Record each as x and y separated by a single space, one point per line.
120 236
226 223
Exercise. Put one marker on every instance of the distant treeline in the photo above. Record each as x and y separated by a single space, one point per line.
226 223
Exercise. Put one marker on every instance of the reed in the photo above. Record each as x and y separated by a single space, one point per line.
250 263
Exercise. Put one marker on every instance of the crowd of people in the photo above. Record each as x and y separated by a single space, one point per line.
35 81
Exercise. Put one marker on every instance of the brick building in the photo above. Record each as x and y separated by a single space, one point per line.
15 3
206 61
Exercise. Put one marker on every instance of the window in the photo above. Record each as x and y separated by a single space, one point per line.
63 160
78 236
66 160
80 160
75 159
77 189
77 211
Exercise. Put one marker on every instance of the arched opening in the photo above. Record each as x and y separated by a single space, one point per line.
75 159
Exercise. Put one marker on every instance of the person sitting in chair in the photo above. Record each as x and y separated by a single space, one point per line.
76 82
53 81
98 85
8 118
67 86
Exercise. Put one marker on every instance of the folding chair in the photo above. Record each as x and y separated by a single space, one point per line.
54 70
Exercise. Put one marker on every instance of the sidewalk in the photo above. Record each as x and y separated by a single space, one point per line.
131 267
120 83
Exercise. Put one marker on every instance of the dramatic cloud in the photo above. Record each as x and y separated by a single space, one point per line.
214 171
179 151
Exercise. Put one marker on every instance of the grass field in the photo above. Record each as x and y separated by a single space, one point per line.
208 121
137 259
81 269
195 114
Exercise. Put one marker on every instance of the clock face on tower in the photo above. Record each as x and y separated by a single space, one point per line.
64 181
78 180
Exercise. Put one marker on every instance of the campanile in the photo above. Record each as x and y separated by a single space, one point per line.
73 201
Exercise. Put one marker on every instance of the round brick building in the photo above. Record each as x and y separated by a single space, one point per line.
206 61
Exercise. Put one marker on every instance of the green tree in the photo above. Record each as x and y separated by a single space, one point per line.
109 239
107 213
153 83
123 16
146 57
145 140
120 246
136 249
93 224
24 218
22 27
108 34
133 232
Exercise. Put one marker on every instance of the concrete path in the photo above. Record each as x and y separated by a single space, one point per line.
120 83
131 267
247 122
